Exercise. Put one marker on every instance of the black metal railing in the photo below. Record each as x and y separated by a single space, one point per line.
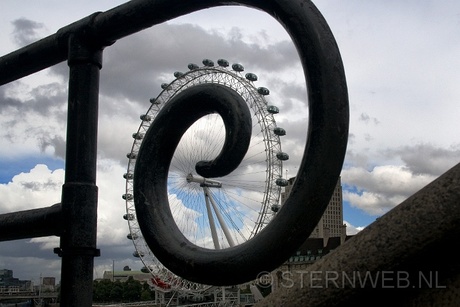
81 44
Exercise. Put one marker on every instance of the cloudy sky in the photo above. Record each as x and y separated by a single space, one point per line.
402 66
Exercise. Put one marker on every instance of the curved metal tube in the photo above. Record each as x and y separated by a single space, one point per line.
315 182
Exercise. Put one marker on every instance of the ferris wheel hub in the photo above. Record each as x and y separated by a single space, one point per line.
204 182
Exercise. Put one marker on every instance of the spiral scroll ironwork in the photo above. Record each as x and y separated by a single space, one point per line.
310 193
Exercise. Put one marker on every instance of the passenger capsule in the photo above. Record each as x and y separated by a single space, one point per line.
128 216
281 182
276 207
178 74
138 136
208 63
131 155
222 63
128 176
127 196
145 270
279 131
273 109
237 67
154 101
282 156
263 91
192 66
251 77
137 254
165 86
145 117
132 236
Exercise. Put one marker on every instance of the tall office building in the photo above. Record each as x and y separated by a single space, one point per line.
329 234
331 223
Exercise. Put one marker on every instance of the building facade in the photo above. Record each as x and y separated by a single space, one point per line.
329 234
331 223
8 283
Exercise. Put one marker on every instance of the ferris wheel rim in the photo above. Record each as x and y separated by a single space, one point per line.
201 74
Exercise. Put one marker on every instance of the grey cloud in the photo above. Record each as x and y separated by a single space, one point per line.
136 66
287 94
35 114
27 257
5 101
364 117
56 142
359 159
38 186
26 31
133 70
377 189
428 159
48 99
367 119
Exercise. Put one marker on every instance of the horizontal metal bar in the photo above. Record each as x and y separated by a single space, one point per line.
101 29
32 223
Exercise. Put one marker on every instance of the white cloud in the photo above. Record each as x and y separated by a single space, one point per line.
42 187
351 229
38 188
382 188
112 228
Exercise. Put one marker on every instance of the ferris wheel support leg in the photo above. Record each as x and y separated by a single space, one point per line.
212 224
220 219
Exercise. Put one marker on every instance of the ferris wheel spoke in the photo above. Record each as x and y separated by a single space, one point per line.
234 215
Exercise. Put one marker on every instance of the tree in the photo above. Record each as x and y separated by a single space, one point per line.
116 293
146 295
132 290
101 290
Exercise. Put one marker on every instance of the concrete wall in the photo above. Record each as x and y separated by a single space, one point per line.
408 257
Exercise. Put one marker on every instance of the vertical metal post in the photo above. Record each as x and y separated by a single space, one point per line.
79 193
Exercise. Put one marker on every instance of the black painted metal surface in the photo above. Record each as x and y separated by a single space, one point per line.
31 223
79 193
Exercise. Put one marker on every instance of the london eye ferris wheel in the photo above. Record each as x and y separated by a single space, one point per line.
215 212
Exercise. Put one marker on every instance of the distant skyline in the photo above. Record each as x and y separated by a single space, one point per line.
401 63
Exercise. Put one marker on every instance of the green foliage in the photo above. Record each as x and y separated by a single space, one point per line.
101 290
132 290
107 291
146 295
116 292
